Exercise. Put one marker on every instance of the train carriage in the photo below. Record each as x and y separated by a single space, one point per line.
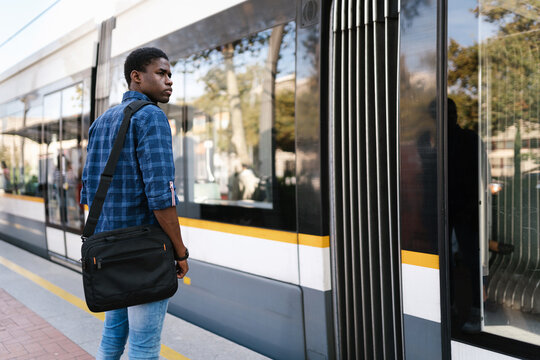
357 179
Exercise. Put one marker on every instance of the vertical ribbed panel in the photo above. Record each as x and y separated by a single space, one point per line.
363 165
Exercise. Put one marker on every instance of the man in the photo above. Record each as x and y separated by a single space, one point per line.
142 192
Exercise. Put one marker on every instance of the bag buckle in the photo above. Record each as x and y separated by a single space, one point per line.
105 178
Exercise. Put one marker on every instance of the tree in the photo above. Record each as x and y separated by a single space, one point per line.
267 113
247 91
285 120
509 64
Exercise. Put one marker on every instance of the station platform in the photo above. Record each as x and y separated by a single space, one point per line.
43 316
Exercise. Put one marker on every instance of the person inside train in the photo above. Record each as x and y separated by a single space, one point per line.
243 183
248 182
141 193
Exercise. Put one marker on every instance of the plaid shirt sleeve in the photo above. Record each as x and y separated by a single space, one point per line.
154 151
84 200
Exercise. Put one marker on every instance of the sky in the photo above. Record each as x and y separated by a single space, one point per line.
62 17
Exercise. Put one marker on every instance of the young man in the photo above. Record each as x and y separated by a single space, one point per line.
142 192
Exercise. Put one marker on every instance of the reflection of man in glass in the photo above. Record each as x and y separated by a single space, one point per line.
463 218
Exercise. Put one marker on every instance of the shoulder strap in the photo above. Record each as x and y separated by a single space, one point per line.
108 173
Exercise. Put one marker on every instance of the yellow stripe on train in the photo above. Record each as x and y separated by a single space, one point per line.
420 259
275 235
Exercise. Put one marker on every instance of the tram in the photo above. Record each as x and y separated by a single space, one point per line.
357 179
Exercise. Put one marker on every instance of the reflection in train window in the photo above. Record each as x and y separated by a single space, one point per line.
232 120
62 125
51 155
31 140
19 145
239 133
71 153
494 217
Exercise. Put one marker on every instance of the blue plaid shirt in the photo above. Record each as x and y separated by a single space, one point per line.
144 177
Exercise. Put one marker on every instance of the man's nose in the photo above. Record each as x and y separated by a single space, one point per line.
168 81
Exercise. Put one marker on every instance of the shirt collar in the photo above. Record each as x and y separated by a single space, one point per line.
134 95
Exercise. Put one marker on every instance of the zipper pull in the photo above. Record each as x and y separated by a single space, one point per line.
171 186
99 264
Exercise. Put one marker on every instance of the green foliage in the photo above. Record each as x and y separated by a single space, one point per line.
209 69
214 100
285 120
509 62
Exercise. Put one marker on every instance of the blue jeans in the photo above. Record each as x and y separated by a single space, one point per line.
143 323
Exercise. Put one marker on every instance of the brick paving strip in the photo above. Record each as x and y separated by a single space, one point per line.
25 335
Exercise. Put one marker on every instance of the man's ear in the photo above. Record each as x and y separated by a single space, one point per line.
135 76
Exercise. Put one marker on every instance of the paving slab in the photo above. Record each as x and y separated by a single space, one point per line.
26 335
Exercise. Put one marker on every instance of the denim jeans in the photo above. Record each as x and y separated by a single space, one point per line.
143 323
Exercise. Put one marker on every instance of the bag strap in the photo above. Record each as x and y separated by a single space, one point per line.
108 173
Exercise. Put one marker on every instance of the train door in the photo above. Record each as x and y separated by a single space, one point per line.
62 162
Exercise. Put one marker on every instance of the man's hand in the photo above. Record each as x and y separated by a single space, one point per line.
182 268
168 220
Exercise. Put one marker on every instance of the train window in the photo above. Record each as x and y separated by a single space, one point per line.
51 153
494 217
239 131
18 148
10 147
71 153
62 124
30 146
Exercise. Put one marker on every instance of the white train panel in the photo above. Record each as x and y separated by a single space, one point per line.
421 292
269 258
55 241
73 245
315 267
461 351
31 209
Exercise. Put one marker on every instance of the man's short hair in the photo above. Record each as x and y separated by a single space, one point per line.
139 59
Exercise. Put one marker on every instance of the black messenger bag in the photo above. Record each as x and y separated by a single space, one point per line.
128 266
